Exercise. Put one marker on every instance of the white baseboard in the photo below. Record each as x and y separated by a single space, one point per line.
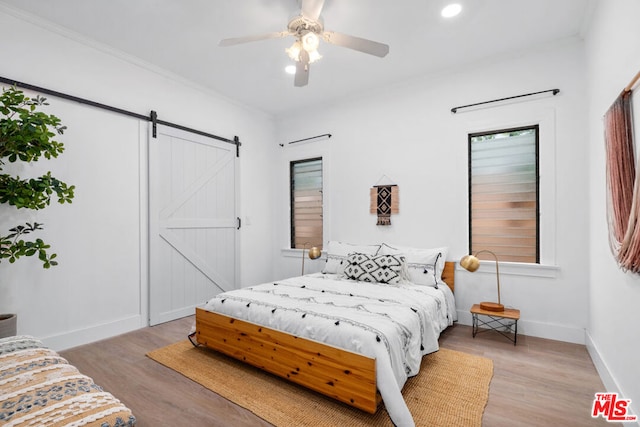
93 333
549 331
608 380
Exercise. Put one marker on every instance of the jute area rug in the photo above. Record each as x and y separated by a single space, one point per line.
451 389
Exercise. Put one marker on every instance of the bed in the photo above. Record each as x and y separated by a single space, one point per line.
345 332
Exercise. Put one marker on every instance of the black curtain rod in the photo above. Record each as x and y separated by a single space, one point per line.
328 135
152 117
555 92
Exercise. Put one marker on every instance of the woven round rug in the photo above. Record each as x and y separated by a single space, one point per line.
451 389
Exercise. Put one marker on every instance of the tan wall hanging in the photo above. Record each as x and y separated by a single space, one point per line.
384 202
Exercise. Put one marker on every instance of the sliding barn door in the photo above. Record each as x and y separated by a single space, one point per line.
192 222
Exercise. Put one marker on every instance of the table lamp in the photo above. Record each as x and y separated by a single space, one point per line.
471 264
314 253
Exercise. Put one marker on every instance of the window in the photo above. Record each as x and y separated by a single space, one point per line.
504 194
306 203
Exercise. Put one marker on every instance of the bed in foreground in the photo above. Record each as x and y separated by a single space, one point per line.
348 339
40 388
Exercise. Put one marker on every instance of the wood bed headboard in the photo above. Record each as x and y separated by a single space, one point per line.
448 274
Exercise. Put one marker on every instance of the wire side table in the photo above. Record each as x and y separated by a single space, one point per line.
503 322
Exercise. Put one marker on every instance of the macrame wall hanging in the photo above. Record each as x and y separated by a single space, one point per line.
384 200
623 181
623 184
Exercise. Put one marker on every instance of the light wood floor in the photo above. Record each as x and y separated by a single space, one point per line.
536 383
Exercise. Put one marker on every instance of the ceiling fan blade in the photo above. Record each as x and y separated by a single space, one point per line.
302 70
312 8
356 43
255 38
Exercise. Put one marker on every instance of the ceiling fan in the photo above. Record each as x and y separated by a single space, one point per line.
307 26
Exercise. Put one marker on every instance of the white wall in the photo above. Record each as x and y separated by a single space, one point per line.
100 289
613 58
408 133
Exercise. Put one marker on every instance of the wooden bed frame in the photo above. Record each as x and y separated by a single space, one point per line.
343 375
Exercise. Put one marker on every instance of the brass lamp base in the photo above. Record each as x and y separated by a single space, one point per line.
491 306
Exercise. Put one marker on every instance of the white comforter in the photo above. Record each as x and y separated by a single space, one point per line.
395 324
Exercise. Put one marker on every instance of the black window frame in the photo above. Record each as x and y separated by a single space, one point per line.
291 196
536 127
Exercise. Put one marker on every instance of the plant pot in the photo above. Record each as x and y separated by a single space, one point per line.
8 325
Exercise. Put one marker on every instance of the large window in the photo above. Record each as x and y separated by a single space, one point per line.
504 194
306 203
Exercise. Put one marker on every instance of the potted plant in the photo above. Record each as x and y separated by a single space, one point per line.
26 135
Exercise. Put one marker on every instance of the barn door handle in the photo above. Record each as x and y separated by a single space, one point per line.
239 223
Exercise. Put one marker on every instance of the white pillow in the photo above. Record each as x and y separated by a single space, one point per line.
422 264
337 255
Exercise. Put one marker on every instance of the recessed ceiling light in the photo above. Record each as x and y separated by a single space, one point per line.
451 10
290 69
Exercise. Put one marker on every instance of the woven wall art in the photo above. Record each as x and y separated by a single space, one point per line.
384 202
623 184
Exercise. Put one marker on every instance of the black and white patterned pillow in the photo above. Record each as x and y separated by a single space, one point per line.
371 268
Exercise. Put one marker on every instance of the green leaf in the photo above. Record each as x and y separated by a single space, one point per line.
26 135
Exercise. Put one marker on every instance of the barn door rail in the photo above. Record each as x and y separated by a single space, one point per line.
152 117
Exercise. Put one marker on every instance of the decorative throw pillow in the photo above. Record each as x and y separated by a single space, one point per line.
337 253
374 268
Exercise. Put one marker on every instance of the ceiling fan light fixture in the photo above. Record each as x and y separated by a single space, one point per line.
307 27
294 50
310 42
314 55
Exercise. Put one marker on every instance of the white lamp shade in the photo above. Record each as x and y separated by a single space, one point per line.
294 51
310 42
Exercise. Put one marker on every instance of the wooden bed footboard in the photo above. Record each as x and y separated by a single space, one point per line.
337 373
340 374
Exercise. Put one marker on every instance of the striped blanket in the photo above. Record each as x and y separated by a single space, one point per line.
40 388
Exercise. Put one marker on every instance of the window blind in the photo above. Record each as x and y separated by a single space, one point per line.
504 194
306 203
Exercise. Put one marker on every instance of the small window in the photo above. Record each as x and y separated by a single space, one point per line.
504 194
306 203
